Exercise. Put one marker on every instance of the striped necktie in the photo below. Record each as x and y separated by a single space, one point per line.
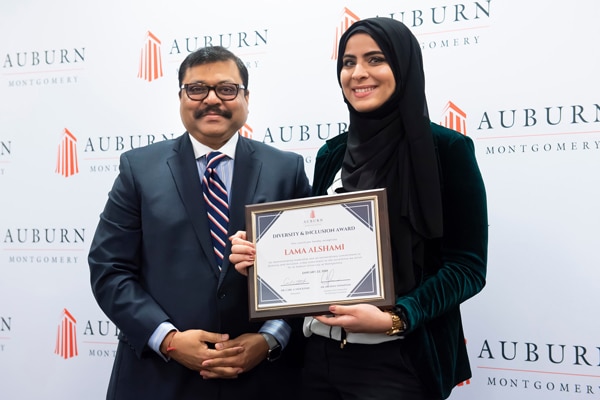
215 196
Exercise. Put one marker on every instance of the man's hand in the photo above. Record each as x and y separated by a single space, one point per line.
190 348
230 363
243 252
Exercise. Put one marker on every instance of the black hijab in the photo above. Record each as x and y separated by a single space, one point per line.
393 147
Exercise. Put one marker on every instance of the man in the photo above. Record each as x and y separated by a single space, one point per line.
181 308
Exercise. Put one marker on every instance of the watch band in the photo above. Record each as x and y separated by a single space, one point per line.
274 346
398 325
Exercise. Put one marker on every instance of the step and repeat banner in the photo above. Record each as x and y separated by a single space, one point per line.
82 82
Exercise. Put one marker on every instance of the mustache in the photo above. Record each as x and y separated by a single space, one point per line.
214 110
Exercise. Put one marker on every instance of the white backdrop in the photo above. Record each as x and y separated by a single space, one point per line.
522 76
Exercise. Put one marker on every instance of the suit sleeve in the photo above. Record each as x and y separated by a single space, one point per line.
463 248
115 264
303 188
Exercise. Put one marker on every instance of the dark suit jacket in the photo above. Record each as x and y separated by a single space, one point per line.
151 260
455 265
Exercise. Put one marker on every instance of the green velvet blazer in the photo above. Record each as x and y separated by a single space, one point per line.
455 267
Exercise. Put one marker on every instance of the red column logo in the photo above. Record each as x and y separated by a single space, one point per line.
454 118
67 164
347 19
66 336
150 59
246 131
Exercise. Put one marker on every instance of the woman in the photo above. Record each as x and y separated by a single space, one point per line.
438 229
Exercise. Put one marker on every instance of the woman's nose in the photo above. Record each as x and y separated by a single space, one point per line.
359 72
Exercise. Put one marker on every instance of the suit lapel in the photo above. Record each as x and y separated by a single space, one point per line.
243 186
185 173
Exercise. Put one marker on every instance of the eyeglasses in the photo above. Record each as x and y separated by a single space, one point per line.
224 91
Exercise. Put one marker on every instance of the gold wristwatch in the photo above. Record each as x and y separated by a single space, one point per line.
398 326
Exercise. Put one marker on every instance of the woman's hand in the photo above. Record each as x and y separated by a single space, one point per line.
363 318
242 252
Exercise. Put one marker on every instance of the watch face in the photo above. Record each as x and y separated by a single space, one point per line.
274 353
274 347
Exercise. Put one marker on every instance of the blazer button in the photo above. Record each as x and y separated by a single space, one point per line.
221 296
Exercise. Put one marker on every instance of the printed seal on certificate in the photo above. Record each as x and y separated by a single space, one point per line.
318 251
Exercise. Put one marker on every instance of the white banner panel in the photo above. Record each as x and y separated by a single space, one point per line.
82 82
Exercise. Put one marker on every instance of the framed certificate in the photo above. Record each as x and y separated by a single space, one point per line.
318 251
